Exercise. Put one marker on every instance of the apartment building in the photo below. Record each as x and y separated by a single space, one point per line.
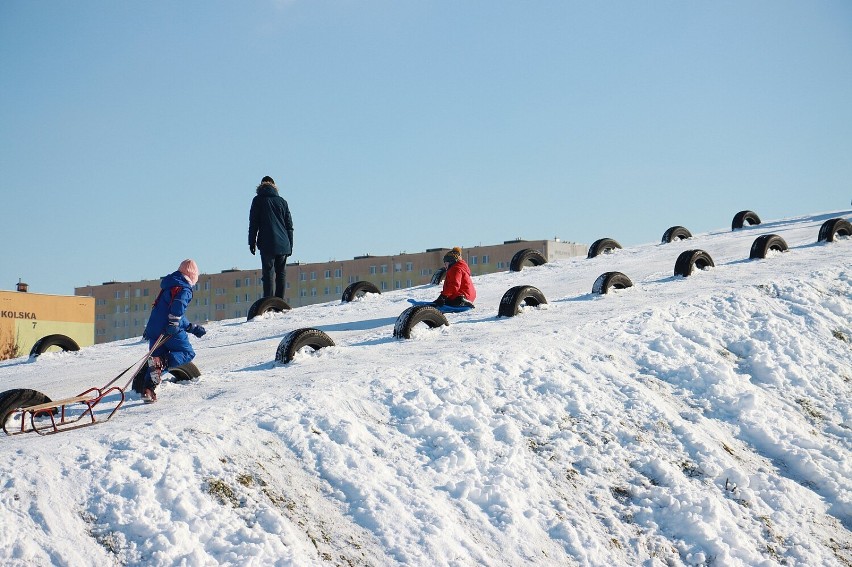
122 308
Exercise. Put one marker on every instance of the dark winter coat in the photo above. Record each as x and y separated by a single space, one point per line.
457 282
270 224
170 305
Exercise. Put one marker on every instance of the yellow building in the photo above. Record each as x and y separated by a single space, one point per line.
122 308
25 318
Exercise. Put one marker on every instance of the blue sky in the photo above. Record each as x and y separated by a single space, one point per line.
133 135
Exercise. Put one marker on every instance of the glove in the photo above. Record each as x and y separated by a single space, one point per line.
440 301
172 330
252 249
196 330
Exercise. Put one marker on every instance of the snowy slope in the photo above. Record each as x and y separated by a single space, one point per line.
684 421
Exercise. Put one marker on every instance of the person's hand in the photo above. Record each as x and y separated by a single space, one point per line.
196 330
172 330
252 249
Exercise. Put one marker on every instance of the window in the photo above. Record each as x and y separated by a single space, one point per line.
338 273
328 274
303 277
337 289
372 270
473 260
409 266
384 268
408 283
313 276
220 291
248 282
117 295
137 293
207 286
485 258
327 290
313 292
236 299
383 286
303 292
397 267
397 284
238 283
353 279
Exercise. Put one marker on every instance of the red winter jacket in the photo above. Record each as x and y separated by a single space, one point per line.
457 282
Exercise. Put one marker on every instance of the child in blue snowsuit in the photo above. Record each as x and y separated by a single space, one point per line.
167 318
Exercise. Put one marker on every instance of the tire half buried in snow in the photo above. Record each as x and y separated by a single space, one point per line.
61 341
294 341
675 233
534 257
609 280
358 289
10 400
517 297
690 259
265 304
764 244
602 246
832 228
415 315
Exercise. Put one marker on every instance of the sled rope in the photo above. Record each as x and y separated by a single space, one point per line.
157 344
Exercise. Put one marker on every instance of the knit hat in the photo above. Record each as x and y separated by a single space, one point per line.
190 270
267 179
453 255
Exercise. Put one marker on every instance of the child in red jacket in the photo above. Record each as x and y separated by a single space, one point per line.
458 286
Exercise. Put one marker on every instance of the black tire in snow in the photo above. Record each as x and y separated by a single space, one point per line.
610 280
294 341
515 298
415 315
676 233
602 246
358 289
763 244
186 371
438 276
690 259
743 217
832 228
265 304
61 341
10 400
534 257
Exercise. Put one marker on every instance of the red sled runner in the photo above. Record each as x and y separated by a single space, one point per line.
23 410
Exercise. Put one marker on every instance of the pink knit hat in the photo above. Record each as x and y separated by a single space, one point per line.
190 270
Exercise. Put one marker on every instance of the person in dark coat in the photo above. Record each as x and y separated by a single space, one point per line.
458 290
167 318
271 231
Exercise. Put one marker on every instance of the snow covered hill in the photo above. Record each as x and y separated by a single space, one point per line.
683 421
